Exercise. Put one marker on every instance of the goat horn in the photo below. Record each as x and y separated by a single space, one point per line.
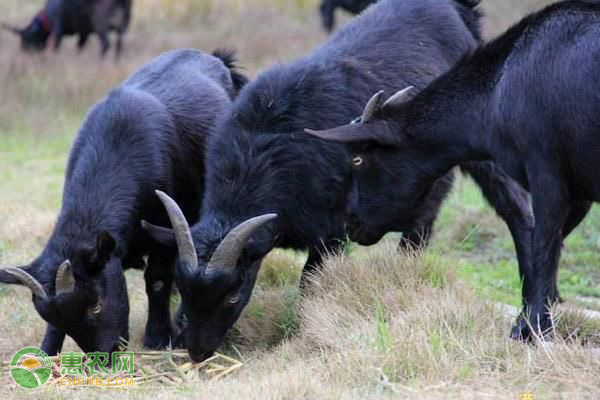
371 107
229 250
401 97
65 281
36 288
183 235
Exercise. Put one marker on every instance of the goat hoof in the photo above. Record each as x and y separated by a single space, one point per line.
520 331
534 324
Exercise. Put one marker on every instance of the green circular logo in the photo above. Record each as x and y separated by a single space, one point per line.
30 367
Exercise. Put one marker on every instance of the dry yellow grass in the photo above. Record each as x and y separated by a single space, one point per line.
378 325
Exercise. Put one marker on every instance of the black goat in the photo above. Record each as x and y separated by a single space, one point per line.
528 101
148 133
260 165
328 7
76 17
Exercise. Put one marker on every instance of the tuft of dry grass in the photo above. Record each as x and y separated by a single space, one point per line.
407 324
400 326
381 325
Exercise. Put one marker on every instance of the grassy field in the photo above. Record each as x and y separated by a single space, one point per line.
379 325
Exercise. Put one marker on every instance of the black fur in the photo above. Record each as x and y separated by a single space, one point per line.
77 17
147 134
229 59
259 161
528 101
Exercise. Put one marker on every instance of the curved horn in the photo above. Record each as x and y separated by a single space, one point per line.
401 97
229 250
371 107
65 281
36 288
183 236
12 29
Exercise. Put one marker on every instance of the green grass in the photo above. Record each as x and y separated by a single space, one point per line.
383 339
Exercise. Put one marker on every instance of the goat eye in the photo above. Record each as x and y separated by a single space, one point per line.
96 309
233 299
357 161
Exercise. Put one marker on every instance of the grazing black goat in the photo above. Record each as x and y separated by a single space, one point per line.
328 7
76 17
528 101
270 185
146 134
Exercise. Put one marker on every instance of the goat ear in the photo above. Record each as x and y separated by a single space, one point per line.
12 29
163 236
379 132
258 247
105 245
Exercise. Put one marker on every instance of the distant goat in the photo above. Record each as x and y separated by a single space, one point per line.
528 101
328 8
76 17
